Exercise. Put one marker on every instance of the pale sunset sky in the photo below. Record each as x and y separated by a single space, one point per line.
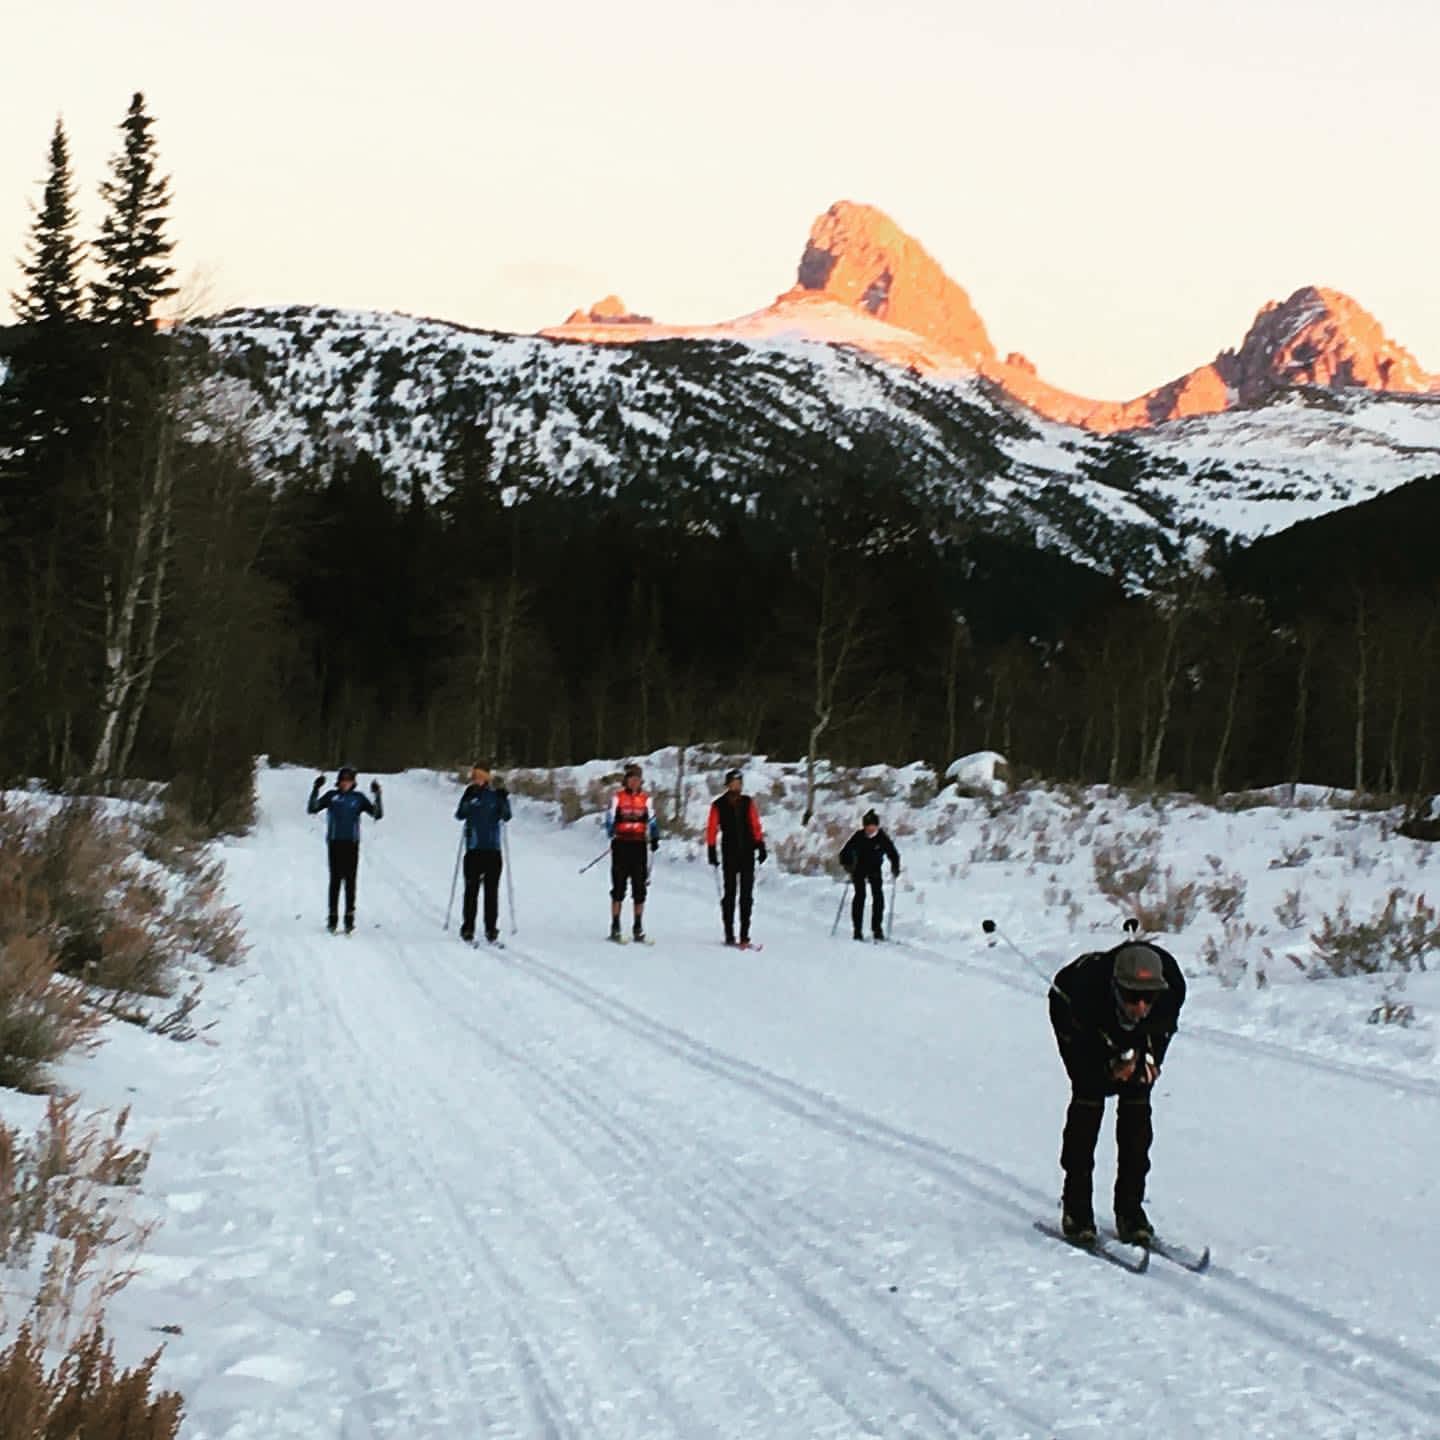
1119 184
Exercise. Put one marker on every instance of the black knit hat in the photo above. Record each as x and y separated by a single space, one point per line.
871 818
1137 967
347 772
733 775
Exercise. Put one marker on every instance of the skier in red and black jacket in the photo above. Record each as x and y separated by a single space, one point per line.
1114 1014
735 824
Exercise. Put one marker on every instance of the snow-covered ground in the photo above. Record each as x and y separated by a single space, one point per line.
412 1189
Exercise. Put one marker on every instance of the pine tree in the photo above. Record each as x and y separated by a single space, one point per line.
52 294
133 247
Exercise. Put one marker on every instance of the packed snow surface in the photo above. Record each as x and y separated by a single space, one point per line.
565 1189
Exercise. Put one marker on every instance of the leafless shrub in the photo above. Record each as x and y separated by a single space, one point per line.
1290 912
1392 1010
87 1395
943 830
572 807
922 791
1398 936
1166 907
812 851
1291 857
1227 956
528 784
1226 897
57 1190
1125 869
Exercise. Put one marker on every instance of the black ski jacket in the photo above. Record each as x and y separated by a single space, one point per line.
864 855
1085 1014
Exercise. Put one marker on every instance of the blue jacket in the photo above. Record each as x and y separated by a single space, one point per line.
343 810
482 809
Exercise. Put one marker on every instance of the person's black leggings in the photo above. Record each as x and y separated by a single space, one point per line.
741 877
344 862
481 865
876 883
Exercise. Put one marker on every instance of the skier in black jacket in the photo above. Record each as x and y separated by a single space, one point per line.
864 857
1114 1014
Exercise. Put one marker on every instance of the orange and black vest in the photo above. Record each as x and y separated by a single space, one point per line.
630 817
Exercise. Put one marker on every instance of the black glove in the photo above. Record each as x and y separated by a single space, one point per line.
375 788
502 792
654 843
760 853
319 781
712 855
894 872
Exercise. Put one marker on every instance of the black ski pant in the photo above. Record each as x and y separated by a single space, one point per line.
628 865
481 865
739 876
344 863
876 882
1133 1133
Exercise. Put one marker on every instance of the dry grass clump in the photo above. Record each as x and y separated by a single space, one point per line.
1128 873
1399 936
90 926
86 1397
58 1213
814 851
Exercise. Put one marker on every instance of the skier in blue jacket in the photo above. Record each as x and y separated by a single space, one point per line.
484 808
343 807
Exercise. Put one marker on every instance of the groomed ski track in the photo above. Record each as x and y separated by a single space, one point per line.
577 1192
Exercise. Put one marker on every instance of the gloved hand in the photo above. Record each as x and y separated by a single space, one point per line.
375 788
501 791
760 853
654 843
319 782
894 872
712 855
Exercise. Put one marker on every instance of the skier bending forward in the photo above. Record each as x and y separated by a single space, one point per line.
1114 1014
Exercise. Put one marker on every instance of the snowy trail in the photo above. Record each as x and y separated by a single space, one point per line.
569 1190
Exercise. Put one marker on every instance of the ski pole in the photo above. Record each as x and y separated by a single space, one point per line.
991 928
595 861
450 903
894 882
715 871
509 877
839 910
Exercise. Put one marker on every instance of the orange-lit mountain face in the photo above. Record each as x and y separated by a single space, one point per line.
862 281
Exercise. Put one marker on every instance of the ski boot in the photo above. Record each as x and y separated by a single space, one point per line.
638 935
1077 1227
330 924
1133 1227
349 924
